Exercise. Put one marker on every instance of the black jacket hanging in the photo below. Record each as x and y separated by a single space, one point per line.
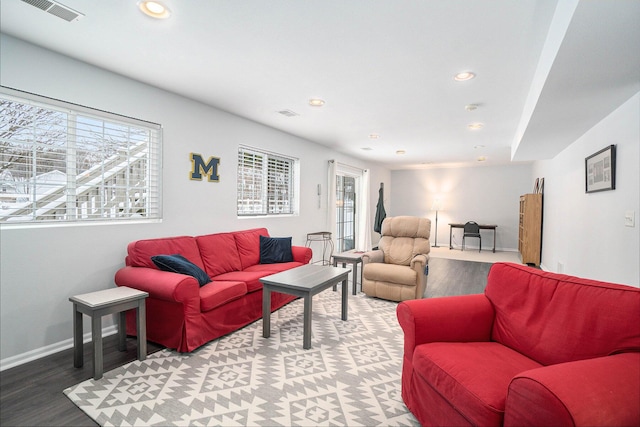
380 212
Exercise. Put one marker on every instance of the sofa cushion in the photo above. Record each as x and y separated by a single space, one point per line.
178 264
216 294
139 253
266 269
603 391
555 318
219 253
400 274
401 250
473 376
248 243
251 278
275 249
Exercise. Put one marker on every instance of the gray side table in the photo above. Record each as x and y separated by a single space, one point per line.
101 303
353 258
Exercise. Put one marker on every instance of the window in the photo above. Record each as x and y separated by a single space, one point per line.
267 183
61 162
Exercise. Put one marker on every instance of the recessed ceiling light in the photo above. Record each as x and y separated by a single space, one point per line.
471 107
316 102
154 9
464 76
475 126
374 136
478 146
400 152
482 158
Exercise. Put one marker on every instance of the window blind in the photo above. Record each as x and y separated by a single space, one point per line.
61 162
266 183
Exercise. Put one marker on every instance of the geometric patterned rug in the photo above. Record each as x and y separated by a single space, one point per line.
349 377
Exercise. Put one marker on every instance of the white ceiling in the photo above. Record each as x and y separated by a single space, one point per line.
547 70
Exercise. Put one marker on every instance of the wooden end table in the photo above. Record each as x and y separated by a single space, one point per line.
305 281
101 303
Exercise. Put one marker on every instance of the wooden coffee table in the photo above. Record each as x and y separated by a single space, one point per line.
305 281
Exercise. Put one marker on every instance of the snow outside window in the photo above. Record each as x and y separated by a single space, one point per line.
267 183
61 162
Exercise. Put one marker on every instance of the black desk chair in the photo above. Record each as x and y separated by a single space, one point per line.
471 229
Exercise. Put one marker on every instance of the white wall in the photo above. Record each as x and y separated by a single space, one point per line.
40 268
485 194
584 234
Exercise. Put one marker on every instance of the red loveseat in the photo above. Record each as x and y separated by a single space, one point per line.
181 314
536 348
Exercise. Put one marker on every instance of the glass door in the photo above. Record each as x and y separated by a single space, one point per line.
345 213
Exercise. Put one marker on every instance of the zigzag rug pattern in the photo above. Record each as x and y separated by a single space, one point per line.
350 376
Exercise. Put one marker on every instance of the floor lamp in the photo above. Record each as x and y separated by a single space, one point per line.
437 205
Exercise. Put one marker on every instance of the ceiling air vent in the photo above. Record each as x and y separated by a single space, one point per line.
288 113
56 9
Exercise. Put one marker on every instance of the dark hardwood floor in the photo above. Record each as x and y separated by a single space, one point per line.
31 394
449 277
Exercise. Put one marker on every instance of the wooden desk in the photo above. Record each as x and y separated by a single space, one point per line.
482 227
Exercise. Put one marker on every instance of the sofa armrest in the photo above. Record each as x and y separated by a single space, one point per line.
159 284
372 256
301 254
603 391
462 318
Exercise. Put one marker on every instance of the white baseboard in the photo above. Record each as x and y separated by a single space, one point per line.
38 353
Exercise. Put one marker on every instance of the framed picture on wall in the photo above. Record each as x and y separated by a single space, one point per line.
600 170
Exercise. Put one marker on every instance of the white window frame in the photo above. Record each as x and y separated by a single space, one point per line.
267 183
119 180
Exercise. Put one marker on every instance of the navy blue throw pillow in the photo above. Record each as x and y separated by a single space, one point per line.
179 264
275 249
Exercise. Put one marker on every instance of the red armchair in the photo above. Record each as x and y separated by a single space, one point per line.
536 348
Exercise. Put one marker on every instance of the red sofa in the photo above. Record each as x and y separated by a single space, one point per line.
181 314
536 348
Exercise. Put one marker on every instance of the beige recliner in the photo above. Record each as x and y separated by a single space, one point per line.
396 271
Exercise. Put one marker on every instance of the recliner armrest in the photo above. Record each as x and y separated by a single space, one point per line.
603 391
419 262
372 256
